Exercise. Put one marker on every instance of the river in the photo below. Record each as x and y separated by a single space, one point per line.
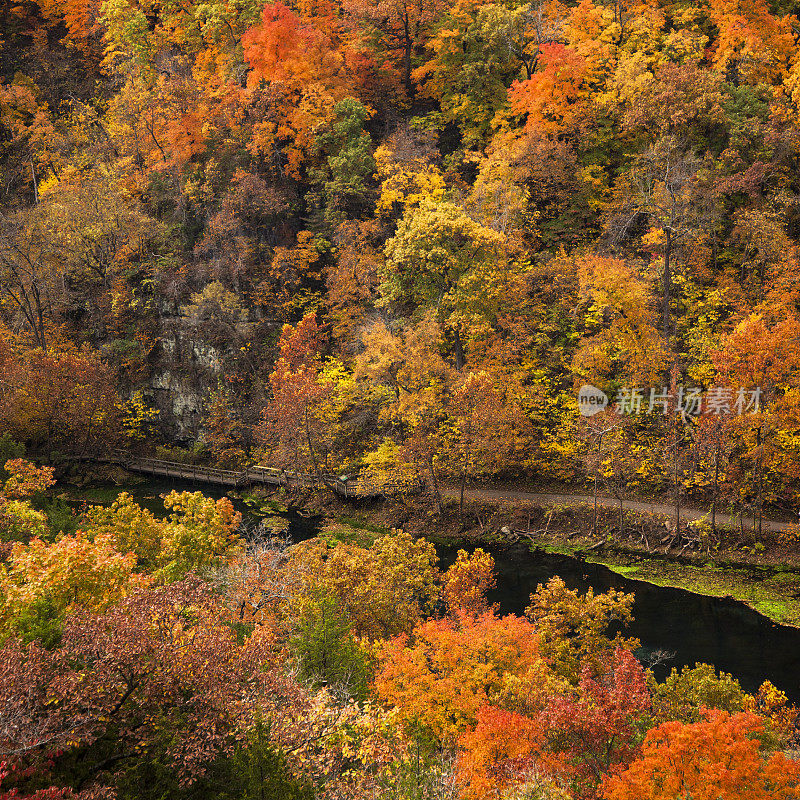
719 631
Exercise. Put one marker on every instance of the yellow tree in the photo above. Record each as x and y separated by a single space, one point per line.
440 258
95 228
198 534
622 339
417 379
130 528
407 170
19 520
573 627
385 589
42 582
387 469
663 188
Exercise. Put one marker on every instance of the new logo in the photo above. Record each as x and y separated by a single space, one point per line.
591 400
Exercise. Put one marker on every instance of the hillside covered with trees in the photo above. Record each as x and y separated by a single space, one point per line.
431 245
463 214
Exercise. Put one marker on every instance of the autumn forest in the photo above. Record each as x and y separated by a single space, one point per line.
422 249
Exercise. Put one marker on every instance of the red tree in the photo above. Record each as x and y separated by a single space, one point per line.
599 730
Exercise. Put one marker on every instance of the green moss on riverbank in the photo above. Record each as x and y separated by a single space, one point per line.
772 592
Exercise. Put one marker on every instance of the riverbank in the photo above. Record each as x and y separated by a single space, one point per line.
771 589
681 627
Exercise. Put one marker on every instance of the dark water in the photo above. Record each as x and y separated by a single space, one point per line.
717 631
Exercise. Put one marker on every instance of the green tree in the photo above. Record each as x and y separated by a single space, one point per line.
684 693
9 449
349 163
325 648
480 50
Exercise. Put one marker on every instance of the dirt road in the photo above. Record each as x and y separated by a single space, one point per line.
654 507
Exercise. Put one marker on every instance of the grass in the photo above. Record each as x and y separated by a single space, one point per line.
624 569
362 524
777 610
770 594
557 548
102 495
335 533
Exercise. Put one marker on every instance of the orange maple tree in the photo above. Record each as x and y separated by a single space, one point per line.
447 670
495 752
719 758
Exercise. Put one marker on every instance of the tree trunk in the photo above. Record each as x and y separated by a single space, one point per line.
677 493
716 493
458 350
409 86
435 484
318 475
760 484
35 184
408 48
665 313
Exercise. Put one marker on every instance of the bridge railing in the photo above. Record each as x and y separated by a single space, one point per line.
344 485
267 474
181 469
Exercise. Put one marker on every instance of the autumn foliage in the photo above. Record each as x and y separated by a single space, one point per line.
381 244
720 756
173 649
478 208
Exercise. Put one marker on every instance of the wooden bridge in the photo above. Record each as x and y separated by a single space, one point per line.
344 486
